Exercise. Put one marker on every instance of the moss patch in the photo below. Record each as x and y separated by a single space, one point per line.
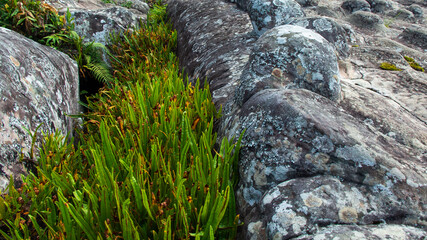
414 64
389 67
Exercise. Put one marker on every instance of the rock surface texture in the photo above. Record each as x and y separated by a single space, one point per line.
95 20
38 85
335 146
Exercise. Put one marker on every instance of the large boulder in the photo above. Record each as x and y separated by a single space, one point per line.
95 20
267 14
97 25
310 167
290 56
296 137
38 87
340 35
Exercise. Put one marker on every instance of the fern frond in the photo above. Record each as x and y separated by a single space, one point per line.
100 71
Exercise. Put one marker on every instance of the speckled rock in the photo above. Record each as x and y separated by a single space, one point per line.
402 14
266 14
38 85
356 5
295 133
351 168
96 25
220 52
308 3
416 36
298 206
380 6
371 232
416 10
290 57
367 20
337 34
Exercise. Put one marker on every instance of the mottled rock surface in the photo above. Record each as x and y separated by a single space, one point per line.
38 85
290 56
352 166
95 20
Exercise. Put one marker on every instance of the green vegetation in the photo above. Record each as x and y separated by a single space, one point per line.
146 166
389 66
36 20
42 23
414 64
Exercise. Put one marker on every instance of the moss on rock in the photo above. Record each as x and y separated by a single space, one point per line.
414 64
390 67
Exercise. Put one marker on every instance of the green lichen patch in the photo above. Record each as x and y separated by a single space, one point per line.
414 64
390 67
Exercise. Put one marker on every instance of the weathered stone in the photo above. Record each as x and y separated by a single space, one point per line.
38 85
139 5
308 3
294 133
377 232
416 10
340 36
402 14
290 57
97 25
267 14
380 6
415 36
368 149
325 11
356 5
297 206
366 20
220 51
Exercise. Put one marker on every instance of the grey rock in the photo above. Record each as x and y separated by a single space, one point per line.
38 85
366 20
216 47
368 149
243 4
297 206
356 5
380 6
340 36
409 2
325 11
402 14
416 36
266 14
416 10
308 3
139 5
287 138
290 57
377 232
96 25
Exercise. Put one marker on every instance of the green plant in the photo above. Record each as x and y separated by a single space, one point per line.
389 66
146 167
414 64
34 19
388 22
127 4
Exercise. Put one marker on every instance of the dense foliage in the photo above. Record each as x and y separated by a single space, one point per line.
41 22
146 166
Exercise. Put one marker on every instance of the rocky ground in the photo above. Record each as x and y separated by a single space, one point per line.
335 146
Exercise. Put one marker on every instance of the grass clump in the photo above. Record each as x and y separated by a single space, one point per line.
389 67
414 64
146 167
